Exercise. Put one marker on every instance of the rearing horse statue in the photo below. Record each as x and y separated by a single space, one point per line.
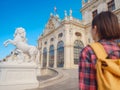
21 44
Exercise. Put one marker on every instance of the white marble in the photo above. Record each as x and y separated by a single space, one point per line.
20 69
22 47
14 76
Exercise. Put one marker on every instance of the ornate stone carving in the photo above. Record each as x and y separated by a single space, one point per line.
50 25
22 47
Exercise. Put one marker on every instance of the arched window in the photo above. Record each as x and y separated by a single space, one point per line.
78 45
60 54
44 57
51 56
60 35
52 39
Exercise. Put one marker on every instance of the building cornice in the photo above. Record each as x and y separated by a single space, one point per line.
74 22
88 4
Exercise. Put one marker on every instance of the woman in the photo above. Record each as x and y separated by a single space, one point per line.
105 29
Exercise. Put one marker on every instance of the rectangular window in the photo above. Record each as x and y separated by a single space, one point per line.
111 5
94 13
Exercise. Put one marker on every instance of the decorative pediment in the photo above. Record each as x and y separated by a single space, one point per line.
52 24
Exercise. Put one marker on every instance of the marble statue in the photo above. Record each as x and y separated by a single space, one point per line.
65 13
22 47
70 12
20 69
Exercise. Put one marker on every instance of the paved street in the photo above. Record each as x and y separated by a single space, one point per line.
70 83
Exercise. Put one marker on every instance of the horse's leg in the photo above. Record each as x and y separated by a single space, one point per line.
8 41
32 53
20 58
32 57
20 55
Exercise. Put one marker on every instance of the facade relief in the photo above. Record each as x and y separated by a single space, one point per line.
50 25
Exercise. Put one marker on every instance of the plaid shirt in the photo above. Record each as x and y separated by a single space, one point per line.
87 61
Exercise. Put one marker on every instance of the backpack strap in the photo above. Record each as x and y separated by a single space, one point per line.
99 50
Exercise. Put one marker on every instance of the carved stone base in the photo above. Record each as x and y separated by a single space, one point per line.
14 76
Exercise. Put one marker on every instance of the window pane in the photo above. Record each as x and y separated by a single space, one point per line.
44 57
51 56
111 5
78 45
60 54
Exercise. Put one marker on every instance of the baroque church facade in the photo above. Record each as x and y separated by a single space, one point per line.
62 40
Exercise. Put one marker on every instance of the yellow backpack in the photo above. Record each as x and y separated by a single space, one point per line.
107 70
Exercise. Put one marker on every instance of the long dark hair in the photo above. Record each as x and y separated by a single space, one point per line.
107 25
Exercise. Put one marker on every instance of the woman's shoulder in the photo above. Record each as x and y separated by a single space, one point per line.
87 54
87 49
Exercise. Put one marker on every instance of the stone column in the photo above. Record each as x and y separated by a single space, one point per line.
67 58
55 57
67 51
72 56
47 58
41 56
41 59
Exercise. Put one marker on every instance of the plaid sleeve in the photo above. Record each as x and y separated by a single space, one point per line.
87 72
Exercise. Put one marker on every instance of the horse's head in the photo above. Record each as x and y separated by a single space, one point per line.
20 32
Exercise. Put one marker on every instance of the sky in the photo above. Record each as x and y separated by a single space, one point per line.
31 15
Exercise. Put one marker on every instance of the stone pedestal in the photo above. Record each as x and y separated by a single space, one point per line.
14 76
